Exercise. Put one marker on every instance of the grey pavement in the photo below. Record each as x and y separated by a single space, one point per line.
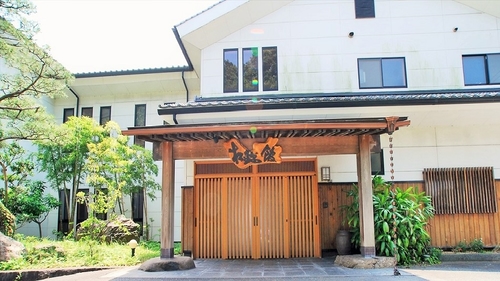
296 269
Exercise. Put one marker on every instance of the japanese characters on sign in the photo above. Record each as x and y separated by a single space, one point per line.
261 153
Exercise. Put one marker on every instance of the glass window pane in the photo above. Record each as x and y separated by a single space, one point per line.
494 68
474 70
87 111
140 115
105 115
68 112
370 73
270 68
250 69
140 120
393 71
364 8
230 70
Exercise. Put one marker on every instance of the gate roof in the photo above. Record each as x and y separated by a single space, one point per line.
275 129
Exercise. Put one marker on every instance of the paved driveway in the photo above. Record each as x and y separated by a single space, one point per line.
296 269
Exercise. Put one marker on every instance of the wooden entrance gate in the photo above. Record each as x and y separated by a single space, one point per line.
266 211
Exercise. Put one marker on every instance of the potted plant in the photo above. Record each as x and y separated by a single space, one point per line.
350 219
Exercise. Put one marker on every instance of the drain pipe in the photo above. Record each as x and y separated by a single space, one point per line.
185 86
187 96
77 100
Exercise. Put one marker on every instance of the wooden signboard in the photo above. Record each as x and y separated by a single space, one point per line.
261 153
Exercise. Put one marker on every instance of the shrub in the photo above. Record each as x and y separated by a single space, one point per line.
7 221
476 245
462 246
411 213
91 229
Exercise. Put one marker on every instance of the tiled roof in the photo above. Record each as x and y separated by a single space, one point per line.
201 12
262 129
131 72
332 100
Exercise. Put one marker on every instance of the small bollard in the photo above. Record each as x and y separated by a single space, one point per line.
132 244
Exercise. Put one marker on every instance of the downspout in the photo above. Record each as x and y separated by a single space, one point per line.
68 206
77 100
185 86
190 66
174 117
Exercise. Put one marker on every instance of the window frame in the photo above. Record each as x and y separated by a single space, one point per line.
224 71
138 123
364 9
381 66
67 113
266 70
486 69
260 85
84 109
377 158
101 120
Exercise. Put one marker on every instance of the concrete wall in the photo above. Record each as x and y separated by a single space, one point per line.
315 54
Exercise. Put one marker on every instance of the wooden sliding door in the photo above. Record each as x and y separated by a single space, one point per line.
267 214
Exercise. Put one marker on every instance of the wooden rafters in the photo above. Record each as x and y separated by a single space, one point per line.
255 130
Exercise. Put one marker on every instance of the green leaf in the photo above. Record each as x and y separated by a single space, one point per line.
385 227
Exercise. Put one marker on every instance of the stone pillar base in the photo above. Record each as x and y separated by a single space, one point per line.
167 253
357 261
160 264
367 252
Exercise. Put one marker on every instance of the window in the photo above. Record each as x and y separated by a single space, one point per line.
364 8
67 113
481 69
382 73
139 120
88 111
157 151
259 73
105 115
461 190
138 209
270 68
250 69
377 161
81 211
230 70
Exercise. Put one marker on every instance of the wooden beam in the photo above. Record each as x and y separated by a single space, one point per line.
365 197
218 128
167 202
291 147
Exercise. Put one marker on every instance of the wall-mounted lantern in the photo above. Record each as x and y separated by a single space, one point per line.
325 173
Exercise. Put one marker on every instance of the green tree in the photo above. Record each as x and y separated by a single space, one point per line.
140 177
106 167
31 204
16 167
63 158
115 170
29 75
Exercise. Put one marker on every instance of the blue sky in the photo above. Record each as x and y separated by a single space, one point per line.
109 35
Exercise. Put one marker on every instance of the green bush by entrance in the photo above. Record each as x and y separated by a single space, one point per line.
399 215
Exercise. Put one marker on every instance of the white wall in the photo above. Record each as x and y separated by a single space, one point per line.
315 54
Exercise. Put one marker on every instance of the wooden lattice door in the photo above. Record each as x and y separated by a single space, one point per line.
256 215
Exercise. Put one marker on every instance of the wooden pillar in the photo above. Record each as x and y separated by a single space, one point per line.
365 198
167 201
